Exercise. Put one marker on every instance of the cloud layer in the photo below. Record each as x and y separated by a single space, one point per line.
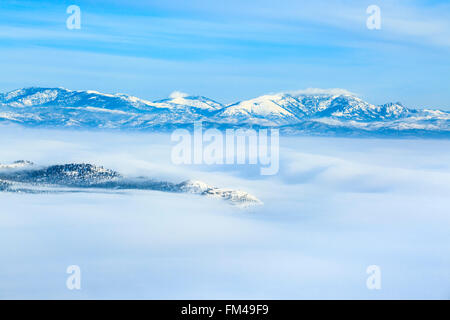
336 207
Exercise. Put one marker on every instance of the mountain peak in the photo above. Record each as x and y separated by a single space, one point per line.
199 102
389 104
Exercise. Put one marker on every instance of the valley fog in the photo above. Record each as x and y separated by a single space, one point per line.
335 207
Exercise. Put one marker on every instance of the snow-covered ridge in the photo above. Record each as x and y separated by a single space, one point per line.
235 196
314 111
19 164
24 176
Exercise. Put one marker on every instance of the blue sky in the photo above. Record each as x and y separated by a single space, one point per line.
230 50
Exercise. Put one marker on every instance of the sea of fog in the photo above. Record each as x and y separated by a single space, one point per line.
335 207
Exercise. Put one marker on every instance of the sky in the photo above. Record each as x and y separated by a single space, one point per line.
230 50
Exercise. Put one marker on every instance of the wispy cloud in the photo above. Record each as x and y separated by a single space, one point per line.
239 48
333 91
178 94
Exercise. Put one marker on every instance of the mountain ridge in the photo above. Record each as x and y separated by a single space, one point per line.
316 112
25 177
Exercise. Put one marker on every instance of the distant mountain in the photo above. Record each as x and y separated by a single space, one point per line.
319 113
282 109
198 103
25 177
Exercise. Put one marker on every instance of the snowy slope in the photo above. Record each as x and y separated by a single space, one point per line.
23 176
291 108
264 110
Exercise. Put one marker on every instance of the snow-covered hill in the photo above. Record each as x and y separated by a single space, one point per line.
313 112
24 176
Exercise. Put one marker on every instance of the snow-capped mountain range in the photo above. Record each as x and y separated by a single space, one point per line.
323 112
25 177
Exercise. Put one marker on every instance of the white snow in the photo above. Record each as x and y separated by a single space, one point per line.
104 110
16 165
263 106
